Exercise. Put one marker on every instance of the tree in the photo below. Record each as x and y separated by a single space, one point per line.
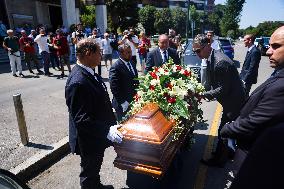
147 19
230 20
122 14
163 20
178 20
88 15
263 29
214 19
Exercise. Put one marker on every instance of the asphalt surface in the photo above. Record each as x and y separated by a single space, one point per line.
47 121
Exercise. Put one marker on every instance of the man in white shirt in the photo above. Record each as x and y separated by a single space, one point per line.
107 49
41 41
130 38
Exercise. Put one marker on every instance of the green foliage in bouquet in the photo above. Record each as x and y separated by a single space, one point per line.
176 91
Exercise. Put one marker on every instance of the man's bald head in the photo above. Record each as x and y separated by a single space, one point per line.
276 48
163 42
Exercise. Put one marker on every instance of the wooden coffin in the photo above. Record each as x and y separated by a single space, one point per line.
148 145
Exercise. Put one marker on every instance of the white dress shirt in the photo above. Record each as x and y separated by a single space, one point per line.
162 54
42 43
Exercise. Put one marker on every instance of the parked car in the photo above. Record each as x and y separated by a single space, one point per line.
263 45
227 47
191 59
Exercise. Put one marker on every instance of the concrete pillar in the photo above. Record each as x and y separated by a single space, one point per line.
101 15
69 13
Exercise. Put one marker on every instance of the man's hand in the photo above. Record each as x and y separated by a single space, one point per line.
114 135
9 49
124 106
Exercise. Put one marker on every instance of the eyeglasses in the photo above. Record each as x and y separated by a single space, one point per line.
197 51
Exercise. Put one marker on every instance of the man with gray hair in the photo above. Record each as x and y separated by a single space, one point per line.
92 124
122 76
226 86
11 44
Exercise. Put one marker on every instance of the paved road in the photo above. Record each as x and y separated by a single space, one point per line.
46 116
45 113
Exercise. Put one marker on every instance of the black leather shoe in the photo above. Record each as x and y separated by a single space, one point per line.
212 162
15 75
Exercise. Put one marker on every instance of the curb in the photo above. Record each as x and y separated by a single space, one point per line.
41 160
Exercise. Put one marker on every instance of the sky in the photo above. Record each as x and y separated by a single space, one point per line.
257 11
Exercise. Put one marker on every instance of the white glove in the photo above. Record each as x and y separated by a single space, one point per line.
114 135
124 106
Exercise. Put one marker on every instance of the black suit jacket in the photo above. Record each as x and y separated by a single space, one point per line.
263 166
90 112
154 58
264 107
249 71
226 85
122 83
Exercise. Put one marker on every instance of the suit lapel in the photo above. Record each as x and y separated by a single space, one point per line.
91 78
125 68
159 58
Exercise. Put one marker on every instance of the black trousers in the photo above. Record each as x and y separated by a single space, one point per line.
134 61
222 149
90 168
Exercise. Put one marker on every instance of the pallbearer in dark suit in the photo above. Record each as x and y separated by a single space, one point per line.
122 83
226 88
264 107
249 71
161 54
91 119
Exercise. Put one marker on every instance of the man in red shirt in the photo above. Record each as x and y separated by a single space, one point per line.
27 46
63 51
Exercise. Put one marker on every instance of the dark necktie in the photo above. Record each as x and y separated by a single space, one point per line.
100 80
130 69
165 56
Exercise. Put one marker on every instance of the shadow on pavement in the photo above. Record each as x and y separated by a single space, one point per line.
40 146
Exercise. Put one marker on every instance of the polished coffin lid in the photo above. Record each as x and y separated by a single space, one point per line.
149 125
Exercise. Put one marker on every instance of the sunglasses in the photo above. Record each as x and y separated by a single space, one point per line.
197 51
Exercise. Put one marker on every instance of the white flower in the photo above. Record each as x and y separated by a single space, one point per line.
161 71
155 82
140 93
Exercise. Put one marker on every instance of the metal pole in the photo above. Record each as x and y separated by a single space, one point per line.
21 119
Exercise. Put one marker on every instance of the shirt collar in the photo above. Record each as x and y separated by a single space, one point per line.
90 70
123 60
249 49
162 51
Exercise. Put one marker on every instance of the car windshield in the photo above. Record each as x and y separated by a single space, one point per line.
225 42
188 49
266 40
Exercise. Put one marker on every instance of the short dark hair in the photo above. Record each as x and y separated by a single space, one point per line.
201 39
122 47
85 45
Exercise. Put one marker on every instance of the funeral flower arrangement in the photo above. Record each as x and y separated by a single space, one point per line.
176 91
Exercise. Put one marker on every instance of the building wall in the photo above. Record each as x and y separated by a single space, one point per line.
19 14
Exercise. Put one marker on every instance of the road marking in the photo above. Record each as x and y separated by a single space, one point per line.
202 170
